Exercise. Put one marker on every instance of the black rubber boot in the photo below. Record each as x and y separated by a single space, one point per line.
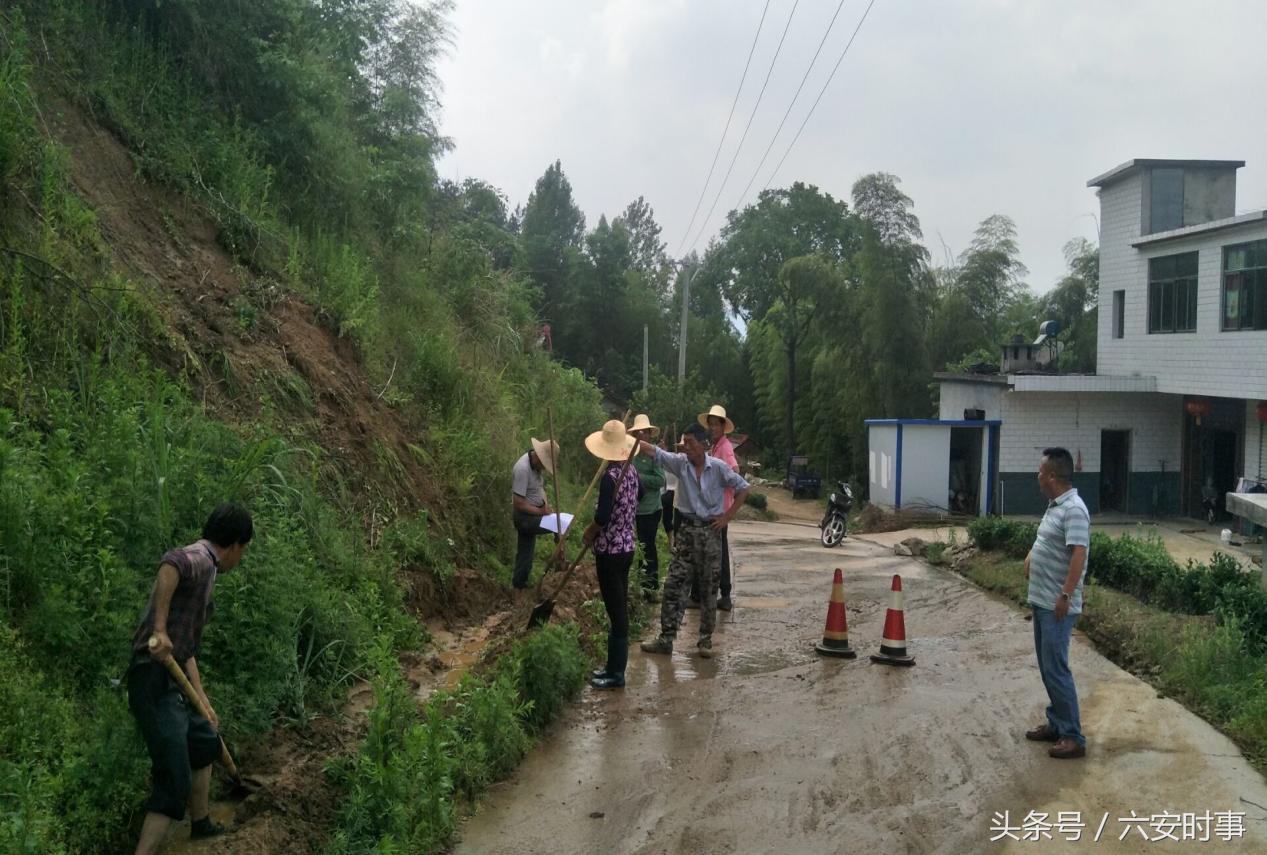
205 827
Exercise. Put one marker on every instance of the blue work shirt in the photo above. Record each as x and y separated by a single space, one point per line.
702 496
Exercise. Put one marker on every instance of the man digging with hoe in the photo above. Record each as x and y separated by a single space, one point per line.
182 744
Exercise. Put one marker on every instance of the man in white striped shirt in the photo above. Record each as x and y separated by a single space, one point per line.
1056 567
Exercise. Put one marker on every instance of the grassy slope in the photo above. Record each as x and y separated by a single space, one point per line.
117 434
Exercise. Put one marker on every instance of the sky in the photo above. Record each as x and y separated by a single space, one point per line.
978 106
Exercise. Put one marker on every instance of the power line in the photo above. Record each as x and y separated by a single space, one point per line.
821 92
747 127
726 129
791 104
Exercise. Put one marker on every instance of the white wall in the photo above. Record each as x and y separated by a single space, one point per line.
925 465
1205 362
957 396
882 463
1033 421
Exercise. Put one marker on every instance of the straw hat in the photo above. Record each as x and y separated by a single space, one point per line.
611 443
641 422
719 411
547 453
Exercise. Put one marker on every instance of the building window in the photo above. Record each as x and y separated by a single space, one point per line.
1245 286
1119 314
1172 293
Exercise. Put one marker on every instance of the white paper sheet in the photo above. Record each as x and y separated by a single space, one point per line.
548 522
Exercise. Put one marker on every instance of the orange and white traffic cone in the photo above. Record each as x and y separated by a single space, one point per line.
836 635
893 644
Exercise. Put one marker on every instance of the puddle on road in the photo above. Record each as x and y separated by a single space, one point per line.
766 661
764 603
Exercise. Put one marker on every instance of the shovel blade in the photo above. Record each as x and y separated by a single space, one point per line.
541 614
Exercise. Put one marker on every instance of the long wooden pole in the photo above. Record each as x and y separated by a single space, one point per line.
580 506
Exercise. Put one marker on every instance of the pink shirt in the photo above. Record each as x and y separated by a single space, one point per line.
725 452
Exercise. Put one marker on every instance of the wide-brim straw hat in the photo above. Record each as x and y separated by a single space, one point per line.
547 453
719 411
641 422
613 442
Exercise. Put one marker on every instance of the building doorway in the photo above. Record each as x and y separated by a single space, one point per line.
1115 470
1211 455
964 489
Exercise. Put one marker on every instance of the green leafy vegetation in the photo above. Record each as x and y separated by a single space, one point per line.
107 455
1142 568
414 765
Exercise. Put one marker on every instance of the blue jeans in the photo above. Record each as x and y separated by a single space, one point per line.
1051 643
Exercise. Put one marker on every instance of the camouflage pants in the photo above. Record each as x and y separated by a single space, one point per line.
696 556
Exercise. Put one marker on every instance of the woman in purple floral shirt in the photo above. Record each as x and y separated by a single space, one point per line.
612 536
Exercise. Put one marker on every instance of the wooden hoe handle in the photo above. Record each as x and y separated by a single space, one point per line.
194 698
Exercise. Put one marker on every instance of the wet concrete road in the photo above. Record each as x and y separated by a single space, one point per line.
770 748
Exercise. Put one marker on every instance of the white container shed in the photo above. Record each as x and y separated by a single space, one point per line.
940 465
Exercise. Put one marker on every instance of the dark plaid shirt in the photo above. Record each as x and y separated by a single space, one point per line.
191 605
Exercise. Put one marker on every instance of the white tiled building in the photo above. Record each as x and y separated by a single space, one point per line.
1181 380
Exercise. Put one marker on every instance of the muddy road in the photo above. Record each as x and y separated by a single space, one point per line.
769 748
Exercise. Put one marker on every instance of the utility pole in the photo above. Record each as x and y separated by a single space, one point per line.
645 348
681 352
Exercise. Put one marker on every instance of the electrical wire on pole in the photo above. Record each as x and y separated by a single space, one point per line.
791 104
821 92
716 154
747 127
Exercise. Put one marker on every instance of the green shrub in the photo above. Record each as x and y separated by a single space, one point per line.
547 667
758 501
1014 537
401 786
1142 567
411 543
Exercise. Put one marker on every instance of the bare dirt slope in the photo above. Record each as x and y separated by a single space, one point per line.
770 748
168 245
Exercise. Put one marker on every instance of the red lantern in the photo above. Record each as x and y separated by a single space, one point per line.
1262 411
1198 407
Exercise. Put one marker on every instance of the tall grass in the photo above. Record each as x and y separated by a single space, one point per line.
106 460
403 785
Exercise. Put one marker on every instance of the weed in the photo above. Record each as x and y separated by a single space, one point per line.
402 786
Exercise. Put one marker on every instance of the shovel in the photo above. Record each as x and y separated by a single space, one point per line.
541 611
241 786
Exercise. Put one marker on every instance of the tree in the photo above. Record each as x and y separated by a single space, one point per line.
974 297
879 202
771 261
1074 302
803 283
646 248
550 235
757 241
990 270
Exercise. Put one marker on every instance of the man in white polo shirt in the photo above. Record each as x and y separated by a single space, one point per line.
1056 567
